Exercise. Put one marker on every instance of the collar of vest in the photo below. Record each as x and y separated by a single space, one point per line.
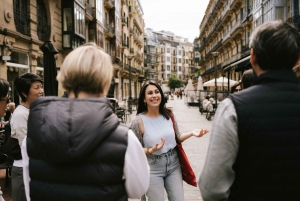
277 76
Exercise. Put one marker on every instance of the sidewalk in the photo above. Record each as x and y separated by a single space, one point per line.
189 118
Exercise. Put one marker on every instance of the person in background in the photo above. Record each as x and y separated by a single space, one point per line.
154 129
4 100
209 108
236 88
76 149
29 87
204 102
247 79
255 142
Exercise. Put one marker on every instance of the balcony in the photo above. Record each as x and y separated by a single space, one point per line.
89 11
226 11
245 51
131 50
109 4
238 26
131 31
227 36
109 30
123 2
43 31
124 45
235 57
138 23
22 21
124 21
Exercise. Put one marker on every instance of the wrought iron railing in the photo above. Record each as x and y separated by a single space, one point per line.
89 9
22 21
43 31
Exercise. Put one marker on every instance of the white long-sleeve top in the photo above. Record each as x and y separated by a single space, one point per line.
136 169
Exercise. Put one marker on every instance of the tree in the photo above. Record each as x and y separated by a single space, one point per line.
174 82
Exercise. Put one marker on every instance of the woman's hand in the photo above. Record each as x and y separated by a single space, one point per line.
199 132
157 146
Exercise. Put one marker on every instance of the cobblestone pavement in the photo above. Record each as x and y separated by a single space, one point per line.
189 118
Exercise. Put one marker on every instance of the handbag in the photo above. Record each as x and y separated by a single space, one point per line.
12 148
188 174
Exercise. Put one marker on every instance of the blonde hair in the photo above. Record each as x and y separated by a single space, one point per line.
11 106
87 69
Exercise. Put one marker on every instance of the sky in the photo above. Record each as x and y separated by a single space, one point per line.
182 17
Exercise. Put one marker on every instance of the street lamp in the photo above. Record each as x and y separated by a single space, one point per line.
215 55
130 97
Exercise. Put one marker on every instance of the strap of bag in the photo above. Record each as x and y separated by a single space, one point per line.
173 121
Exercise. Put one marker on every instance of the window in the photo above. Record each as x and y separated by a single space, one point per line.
179 68
168 67
21 17
168 59
279 13
99 14
43 29
179 52
100 38
179 60
168 50
107 47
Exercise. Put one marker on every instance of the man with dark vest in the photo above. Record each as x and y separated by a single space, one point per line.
254 151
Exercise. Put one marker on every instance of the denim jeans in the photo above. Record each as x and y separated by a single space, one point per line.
165 172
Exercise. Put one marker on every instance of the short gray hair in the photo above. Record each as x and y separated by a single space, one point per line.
276 45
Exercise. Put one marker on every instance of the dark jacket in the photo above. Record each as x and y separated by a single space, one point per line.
76 150
268 161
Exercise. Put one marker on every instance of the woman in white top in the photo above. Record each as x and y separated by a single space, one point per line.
29 87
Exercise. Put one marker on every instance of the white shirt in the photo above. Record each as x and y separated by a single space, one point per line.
18 124
136 169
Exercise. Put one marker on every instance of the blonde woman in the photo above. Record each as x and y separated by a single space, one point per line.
76 146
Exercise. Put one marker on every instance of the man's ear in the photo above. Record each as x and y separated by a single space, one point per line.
297 65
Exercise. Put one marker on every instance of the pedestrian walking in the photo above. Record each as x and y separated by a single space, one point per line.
154 129
255 142
76 149
4 100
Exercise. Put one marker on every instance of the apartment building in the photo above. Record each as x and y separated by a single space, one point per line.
116 26
168 54
226 29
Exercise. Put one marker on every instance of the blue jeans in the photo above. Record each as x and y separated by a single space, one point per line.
165 172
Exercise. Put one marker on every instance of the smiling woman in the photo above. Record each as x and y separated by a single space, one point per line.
29 87
156 132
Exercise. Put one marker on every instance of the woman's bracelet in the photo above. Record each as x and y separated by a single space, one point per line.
147 151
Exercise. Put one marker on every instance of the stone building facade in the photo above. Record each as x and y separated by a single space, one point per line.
168 54
116 26
225 31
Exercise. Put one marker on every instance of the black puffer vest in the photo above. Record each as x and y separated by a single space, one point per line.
76 150
267 166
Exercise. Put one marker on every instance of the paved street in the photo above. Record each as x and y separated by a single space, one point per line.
189 118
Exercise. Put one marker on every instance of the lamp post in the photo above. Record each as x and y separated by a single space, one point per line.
215 55
130 97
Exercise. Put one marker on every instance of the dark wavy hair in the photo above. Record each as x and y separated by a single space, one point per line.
141 107
4 88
